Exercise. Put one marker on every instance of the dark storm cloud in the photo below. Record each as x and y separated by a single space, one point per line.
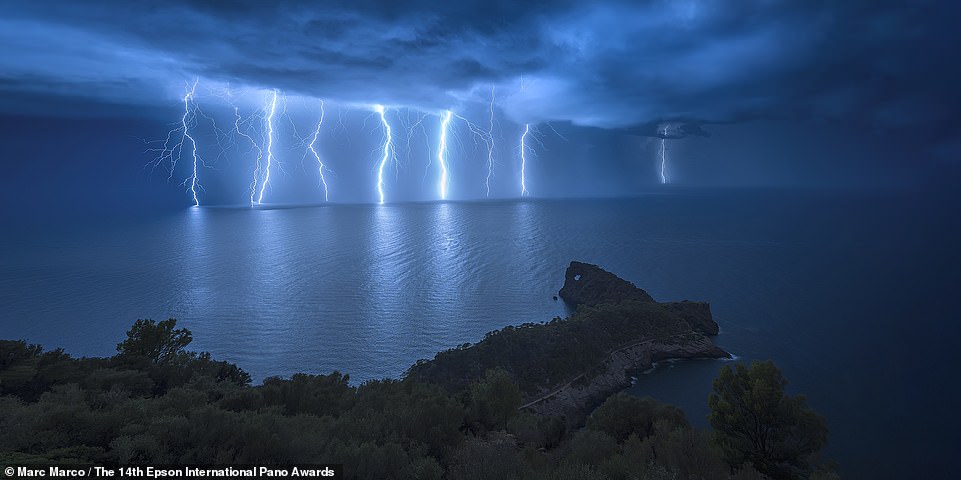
609 64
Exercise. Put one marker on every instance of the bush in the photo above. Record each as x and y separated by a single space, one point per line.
622 415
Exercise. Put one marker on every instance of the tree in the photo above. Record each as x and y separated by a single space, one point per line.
494 398
754 421
157 342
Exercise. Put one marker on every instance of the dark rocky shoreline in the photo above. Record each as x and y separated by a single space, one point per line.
617 331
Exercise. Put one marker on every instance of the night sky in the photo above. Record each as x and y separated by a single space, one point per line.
755 93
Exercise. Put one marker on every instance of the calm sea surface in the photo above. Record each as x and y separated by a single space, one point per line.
852 294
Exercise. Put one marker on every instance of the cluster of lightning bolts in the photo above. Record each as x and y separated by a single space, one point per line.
258 132
180 138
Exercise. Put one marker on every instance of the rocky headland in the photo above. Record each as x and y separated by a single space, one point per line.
566 367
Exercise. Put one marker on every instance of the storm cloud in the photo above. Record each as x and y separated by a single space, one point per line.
614 65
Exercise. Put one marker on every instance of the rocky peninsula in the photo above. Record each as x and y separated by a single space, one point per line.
566 367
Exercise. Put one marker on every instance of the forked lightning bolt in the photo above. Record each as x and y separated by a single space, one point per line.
173 152
310 146
270 142
242 132
388 150
188 101
419 124
486 137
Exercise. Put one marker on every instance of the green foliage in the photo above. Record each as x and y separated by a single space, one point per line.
748 472
756 422
312 394
623 415
409 413
156 342
494 399
574 471
165 405
478 460
688 452
157 349
537 431
220 371
670 451
592 448
27 371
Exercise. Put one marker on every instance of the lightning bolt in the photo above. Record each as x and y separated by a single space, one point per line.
524 147
310 146
167 152
490 146
188 100
270 155
388 150
662 151
486 137
442 154
260 151
419 124
238 120
173 152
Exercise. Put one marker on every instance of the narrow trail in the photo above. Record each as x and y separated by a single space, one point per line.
608 357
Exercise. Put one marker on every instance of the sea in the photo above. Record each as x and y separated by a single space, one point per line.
852 293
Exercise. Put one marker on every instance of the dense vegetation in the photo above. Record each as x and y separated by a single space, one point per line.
542 355
154 402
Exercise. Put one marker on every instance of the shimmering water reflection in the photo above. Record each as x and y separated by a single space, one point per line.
849 294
